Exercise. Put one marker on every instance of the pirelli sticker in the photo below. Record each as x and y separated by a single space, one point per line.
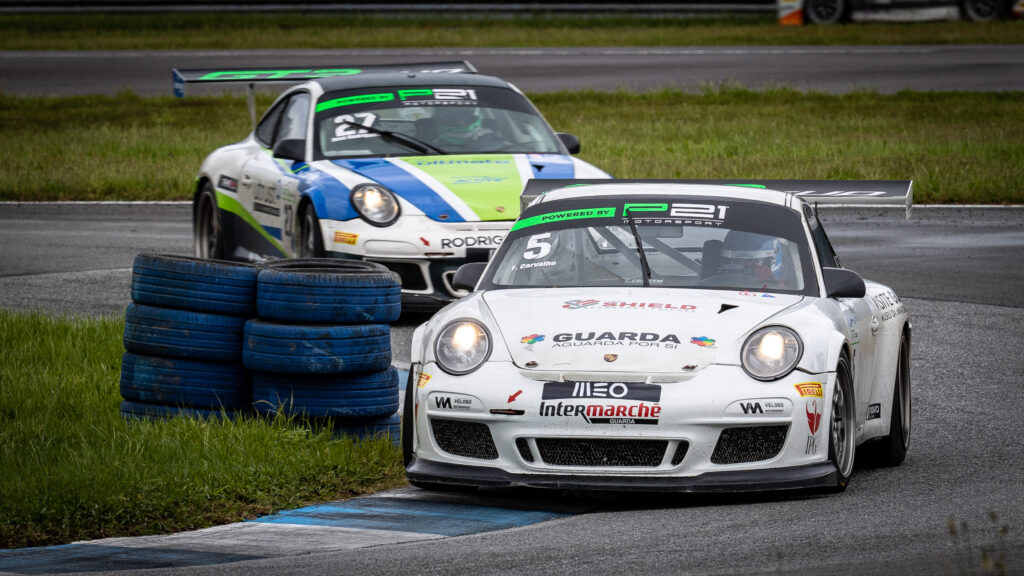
581 214
809 389
346 238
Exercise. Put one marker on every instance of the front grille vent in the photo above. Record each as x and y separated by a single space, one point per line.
749 444
468 439
681 449
597 452
524 449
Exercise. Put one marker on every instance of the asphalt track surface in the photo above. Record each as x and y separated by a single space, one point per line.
959 271
823 68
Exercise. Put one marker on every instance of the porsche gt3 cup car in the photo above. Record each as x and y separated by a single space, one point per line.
418 167
662 336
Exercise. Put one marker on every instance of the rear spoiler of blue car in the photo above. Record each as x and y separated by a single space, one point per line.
272 75
895 192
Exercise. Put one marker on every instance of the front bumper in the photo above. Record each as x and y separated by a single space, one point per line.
807 477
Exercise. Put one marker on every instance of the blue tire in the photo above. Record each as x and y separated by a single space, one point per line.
310 349
201 285
141 411
331 396
387 426
328 291
189 383
170 333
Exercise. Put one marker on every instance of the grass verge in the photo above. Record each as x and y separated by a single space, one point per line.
74 469
270 31
957 147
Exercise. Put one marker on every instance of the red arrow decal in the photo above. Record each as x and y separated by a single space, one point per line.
513 397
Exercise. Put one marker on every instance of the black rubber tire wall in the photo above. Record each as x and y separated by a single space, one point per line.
187 283
330 396
311 349
176 382
390 426
141 411
343 292
170 333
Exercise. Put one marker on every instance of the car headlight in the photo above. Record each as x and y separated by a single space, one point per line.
771 353
462 347
375 203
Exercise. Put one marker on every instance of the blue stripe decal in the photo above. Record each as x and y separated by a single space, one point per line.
405 185
275 232
95 558
551 166
407 515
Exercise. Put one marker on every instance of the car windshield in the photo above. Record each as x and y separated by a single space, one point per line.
686 241
403 121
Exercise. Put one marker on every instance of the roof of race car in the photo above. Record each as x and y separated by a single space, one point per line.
374 80
614 188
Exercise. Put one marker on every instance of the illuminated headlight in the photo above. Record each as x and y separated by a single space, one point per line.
771 353
376 204
462 347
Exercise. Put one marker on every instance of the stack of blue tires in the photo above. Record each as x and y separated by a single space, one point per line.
320 348
183 337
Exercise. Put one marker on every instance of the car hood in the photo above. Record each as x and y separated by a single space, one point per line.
637 330
461 188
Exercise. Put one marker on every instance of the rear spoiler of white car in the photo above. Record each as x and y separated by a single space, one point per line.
834 192
285 75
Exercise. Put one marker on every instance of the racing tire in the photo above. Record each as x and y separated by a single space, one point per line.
842 437
189 283
342 292
311 349
156 331
187 383
159 412
983 10
207 232
311 240
826 12
891 450
389 426
332 396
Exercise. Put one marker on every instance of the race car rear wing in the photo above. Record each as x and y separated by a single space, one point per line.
833 192
271 75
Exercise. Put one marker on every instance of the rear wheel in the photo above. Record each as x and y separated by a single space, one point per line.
826 11
206 229
981 10
842 432
311 243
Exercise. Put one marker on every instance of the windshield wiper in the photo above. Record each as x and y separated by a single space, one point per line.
399 138
645 269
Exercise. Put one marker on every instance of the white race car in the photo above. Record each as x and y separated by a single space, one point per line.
416 166
664 337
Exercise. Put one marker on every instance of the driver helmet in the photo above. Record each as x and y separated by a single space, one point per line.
752 254
458 123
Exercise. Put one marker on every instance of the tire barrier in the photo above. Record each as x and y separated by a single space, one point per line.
316 349
325 291
187 383
388 426
187 283
185 334
155 412
332 396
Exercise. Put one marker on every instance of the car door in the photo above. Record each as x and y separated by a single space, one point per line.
270 183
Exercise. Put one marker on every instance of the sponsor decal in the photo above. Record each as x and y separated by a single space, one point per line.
889 304
874 411
532 339
641 413
702 341
585 213
415 162
346 238
809 389
453 402
617 390
812 445
813 409
421 382
351 100
611 357
277 74
528 265
479 180
605 305
760 407
644 339
755 294
434 96
227 183
678 213
468 241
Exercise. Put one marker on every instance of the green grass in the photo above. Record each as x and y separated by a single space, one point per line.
346 31
957 147
74 469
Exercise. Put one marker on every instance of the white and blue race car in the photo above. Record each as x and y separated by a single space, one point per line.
418 167
663 336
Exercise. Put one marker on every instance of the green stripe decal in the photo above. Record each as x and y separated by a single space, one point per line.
750 185
564 215
229 204
350 100
488 183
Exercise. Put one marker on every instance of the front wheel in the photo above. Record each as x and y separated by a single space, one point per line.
826 11
311 243
206 228
842 431
981 10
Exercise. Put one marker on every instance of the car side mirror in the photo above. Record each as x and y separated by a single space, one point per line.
290 149
571 142
843 283
467 276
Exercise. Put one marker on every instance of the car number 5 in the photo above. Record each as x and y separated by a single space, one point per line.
537 246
